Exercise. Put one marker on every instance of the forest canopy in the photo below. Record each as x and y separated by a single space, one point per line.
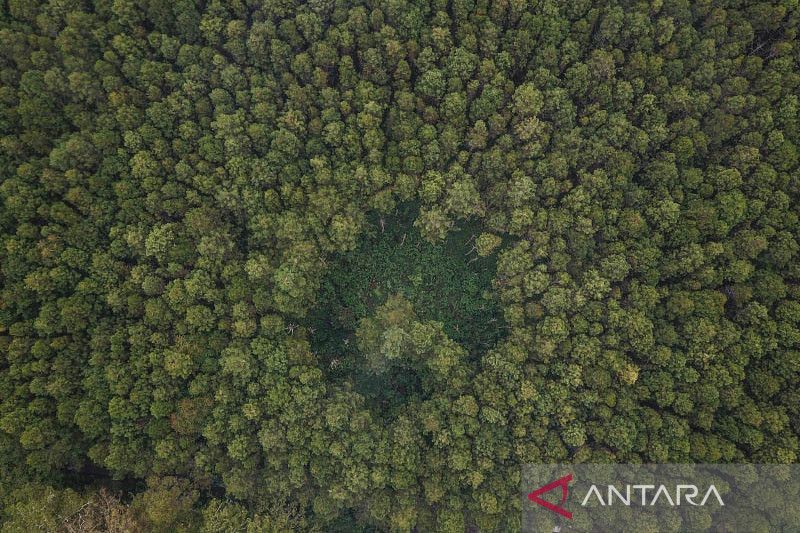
347 265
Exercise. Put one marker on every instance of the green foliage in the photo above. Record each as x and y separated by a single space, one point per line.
446 282
34 507
342 266
403 359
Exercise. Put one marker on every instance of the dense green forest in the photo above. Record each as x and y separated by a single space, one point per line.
271 265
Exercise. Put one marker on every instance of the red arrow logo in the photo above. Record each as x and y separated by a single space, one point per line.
561 482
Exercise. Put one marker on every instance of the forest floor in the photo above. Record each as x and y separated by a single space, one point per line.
447 283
